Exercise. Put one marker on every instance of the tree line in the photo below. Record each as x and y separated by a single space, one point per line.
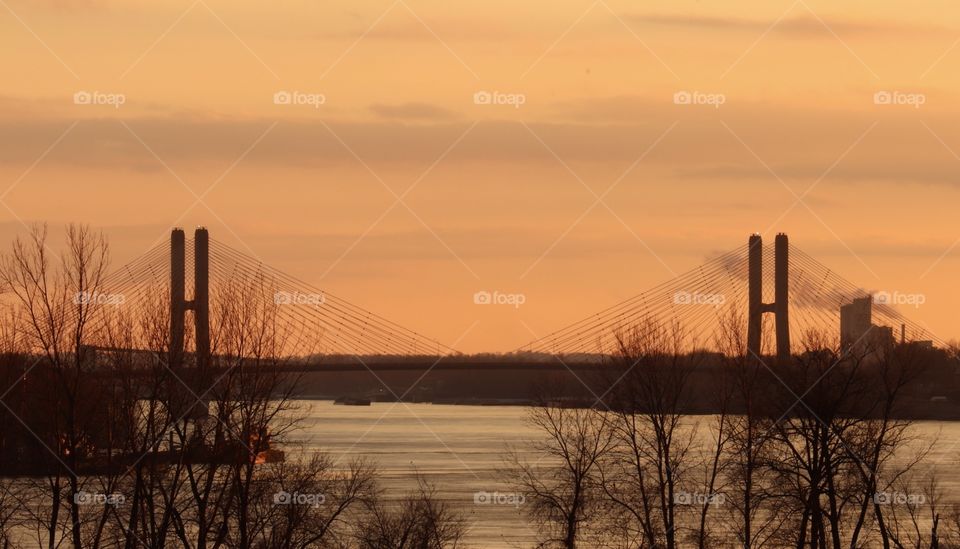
807 453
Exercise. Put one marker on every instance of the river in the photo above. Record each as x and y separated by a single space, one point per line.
461 449
458 449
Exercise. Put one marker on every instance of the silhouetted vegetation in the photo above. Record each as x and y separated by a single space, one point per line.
817 454
106 444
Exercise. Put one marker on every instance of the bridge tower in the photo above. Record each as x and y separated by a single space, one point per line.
779 307
200 305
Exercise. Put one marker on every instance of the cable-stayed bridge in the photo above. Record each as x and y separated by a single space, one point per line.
703 302
199 316
312 322
734 288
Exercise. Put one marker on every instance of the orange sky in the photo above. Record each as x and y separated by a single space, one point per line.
404 196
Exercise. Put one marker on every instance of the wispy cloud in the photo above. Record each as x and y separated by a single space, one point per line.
412 111
800 25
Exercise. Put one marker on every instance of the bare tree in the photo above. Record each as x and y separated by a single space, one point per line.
298 504
59 298
418 521
561 488
821 437
885 432
645 470
755 520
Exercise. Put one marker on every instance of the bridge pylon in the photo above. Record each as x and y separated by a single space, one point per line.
200 305
779 307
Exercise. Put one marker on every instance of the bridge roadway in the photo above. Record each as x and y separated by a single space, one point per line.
443 363
350 363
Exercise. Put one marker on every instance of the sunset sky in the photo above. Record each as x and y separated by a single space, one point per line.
403 195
